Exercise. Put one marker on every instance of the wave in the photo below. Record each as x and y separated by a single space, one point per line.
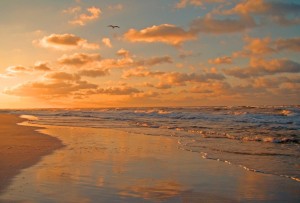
287 113
206 155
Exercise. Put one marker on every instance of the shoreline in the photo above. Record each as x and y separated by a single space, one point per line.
111 165
21 147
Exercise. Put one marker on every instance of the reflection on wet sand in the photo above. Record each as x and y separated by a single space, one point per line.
158 190
104 165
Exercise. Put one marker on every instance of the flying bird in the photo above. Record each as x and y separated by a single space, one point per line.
113 26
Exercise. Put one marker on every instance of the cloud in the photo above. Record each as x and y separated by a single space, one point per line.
72 10
165 33
63 76
140 72
55 84
284 13
264 46
291 44
260 67
117 7
180 79
93 73
122 90
169 79
184 3
50 90
17 69
13 71
65 42
107 42
82 19
208 24
79 59
275 82
128 60
221 60
154 61
124 53
147 94
41 66
211 88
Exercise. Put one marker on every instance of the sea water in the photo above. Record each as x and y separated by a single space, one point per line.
262 139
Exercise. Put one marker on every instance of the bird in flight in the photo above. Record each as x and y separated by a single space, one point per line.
113 26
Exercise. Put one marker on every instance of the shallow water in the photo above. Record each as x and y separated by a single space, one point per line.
104 165
264 139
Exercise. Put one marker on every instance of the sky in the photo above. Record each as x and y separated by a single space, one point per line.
62 54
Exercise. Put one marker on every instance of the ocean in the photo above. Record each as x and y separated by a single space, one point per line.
262 139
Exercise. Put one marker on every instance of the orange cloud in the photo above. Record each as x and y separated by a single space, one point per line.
65 42
221 60
93 73
180 79
184 3
107 42
140 72
123 52
82 19
56 84
72 10
264 46
148 94
165 33
284 13
79 59
153 61
211 88
122 90
49 90
63 76
208 24
15 69
41 66
168 79
260 67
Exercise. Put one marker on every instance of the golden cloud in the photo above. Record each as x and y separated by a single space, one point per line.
221 60
107 42
261 67
264 46
18 68
165 33
122 90
55 84
41 66
50 90
82 19
93 73
208 24
72 10
284 13
79 59
65 42
63 76
184 3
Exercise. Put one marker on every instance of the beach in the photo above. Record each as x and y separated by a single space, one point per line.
21 147
112 165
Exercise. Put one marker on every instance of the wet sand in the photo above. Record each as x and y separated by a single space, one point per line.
109 165
21 147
